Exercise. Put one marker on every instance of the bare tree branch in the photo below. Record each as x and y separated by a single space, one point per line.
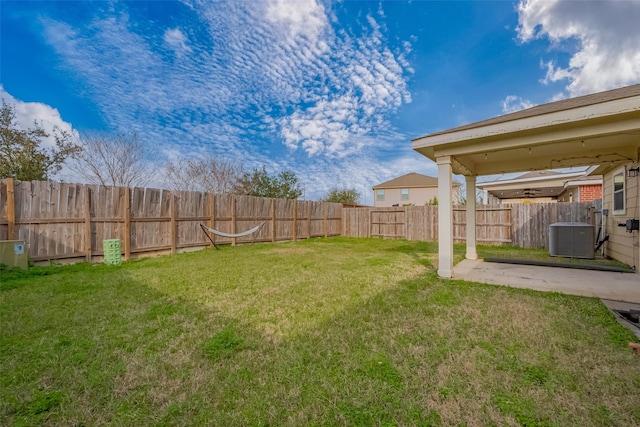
208 173
123 161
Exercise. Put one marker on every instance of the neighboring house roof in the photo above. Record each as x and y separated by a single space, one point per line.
553 107
411 180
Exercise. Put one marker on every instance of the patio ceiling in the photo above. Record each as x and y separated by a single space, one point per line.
601 129
538 184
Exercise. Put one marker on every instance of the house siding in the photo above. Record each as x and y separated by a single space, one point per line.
622 245
589 193
417 196
569 195
582 193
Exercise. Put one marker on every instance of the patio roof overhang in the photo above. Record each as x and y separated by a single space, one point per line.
601 129
605 134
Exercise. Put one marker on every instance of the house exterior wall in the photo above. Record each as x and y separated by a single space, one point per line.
589 193
417 196
569 195
622 245
582 193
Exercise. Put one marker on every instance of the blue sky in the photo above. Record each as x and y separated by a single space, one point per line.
334 91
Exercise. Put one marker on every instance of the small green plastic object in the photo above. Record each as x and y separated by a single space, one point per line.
112 252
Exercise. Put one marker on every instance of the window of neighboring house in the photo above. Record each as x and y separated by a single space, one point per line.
618 193
404 194
380 194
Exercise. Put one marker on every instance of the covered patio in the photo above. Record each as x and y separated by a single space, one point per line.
587 283
601 129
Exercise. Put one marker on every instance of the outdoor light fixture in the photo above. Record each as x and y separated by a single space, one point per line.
633 172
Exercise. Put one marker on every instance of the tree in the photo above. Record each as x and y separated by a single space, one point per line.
121 160
432 202
207 173
21 153
260 183
344 195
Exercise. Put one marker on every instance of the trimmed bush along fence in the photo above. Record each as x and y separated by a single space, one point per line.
69 222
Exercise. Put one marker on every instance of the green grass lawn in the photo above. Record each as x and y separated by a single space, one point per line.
320 332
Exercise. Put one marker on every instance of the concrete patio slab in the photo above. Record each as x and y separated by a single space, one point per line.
600 284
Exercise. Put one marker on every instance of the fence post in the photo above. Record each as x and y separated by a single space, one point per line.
233 220
172 212
309 220
344 222
212 212
11 210
325 228
514 216
295 219
127 223
273 220
87 223
404 225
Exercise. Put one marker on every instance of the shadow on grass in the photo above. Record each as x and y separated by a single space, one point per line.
426 352
88 345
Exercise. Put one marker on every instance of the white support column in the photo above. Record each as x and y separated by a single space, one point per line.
445 217
471 217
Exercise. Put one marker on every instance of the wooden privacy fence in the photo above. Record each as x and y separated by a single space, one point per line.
493 224
524 225
62 221
530 222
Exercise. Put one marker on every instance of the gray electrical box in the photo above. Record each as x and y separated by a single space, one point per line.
14 253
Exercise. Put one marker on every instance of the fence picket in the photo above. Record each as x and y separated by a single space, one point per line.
70 221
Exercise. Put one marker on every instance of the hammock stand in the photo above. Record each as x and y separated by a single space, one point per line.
215 233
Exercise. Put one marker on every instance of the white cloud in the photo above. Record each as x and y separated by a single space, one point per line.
349 114
513 103
47 117
607 37
300 18
335 90
270 83
176 41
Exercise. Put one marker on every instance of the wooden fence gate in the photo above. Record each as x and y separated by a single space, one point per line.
388 223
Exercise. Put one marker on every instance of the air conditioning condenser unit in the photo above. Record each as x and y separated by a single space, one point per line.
571 240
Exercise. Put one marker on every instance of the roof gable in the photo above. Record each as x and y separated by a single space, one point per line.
410 180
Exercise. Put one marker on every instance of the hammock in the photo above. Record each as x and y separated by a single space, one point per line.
230 235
